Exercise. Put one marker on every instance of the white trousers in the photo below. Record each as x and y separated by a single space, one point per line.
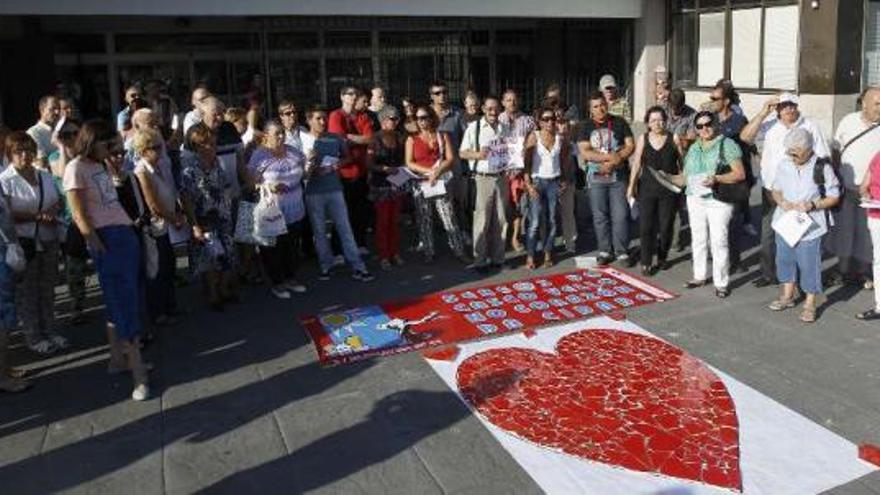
709 219
874 229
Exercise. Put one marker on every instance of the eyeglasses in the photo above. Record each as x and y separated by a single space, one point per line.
703 125
438 92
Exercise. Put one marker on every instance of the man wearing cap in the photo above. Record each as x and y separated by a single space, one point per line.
768 134
616 105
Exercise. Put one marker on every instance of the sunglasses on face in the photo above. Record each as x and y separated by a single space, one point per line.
289 113
438 92
423 117
703 125
395 119
549 118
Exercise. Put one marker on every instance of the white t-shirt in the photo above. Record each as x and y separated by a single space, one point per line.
42 134
855 160
25 198
293 139
495 140
546 164
771 138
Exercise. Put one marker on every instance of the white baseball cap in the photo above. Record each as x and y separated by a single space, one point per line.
607 81
788 98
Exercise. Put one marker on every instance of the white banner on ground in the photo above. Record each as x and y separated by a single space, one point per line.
781 452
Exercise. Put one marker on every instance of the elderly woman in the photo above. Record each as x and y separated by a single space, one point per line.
112 244
385 159
160 196
208 210
35 203
430 154
280 168
795 189
10 379
710 217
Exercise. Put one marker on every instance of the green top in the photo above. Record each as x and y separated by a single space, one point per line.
64 214
703 159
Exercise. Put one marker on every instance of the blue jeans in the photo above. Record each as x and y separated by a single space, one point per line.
610 216
324 206
8 316
548 196
806 258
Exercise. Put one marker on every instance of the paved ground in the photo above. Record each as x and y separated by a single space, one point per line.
242 407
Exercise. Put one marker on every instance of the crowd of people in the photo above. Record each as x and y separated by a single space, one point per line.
250 193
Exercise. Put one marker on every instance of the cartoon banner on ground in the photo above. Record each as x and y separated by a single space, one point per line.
454 316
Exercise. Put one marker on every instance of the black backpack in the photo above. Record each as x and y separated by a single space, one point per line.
819 180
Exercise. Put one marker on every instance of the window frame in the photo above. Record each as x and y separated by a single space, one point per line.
727 9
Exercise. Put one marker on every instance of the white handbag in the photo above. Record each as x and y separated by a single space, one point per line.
15 258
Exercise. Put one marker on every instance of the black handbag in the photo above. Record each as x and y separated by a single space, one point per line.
728 193
28 245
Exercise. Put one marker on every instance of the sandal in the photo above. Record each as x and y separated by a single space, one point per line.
42 347
530 264
781 304
548 262
808 315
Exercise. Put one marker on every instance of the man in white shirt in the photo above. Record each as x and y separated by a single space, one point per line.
289 116
856 141
521 126
42 131
194 116
485 143
769 133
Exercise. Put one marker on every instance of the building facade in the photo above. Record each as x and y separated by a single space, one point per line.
825 50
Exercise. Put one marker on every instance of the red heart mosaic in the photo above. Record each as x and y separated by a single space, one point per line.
614 397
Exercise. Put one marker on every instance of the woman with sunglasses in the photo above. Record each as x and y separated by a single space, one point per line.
35 203
208 210
385 157
112 244
430 154
656 150
709 217
547 159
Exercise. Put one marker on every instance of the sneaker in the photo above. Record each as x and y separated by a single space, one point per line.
324 275
280 292
59 341
295 287
338 260
362 276
604 259
140 392
385 265
750 229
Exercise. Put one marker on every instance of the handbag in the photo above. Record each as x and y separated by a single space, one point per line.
268 218
728 193
15 256
28 245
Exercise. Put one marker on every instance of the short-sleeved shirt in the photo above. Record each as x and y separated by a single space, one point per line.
771 138
102 206
703 159
42 134
855 160
797 184
682 125
605 137
292 139
326 145
488 136
123 118
343 124
288 170
620 108
25 198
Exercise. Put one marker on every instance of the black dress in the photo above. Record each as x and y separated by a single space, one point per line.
656 203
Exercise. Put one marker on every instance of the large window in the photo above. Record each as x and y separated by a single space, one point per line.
872 44
754 43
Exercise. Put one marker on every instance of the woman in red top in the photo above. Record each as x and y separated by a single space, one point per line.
870 191
430 154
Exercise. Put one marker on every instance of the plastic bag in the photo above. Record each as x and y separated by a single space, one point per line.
15 258
268 219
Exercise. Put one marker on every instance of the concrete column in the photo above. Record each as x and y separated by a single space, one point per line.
649 51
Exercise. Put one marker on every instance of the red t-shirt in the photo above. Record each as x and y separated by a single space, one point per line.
342 124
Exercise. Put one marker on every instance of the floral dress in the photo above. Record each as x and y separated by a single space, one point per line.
205 188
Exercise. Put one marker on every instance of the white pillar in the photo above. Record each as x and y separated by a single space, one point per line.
649 51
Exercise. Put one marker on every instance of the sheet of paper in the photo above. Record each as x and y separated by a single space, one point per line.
695 185
499 155
792 225
400 177
870 204
329 161
429 191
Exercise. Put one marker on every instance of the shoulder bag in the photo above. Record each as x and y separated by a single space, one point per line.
728 193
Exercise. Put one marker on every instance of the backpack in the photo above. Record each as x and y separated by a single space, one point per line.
819 180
